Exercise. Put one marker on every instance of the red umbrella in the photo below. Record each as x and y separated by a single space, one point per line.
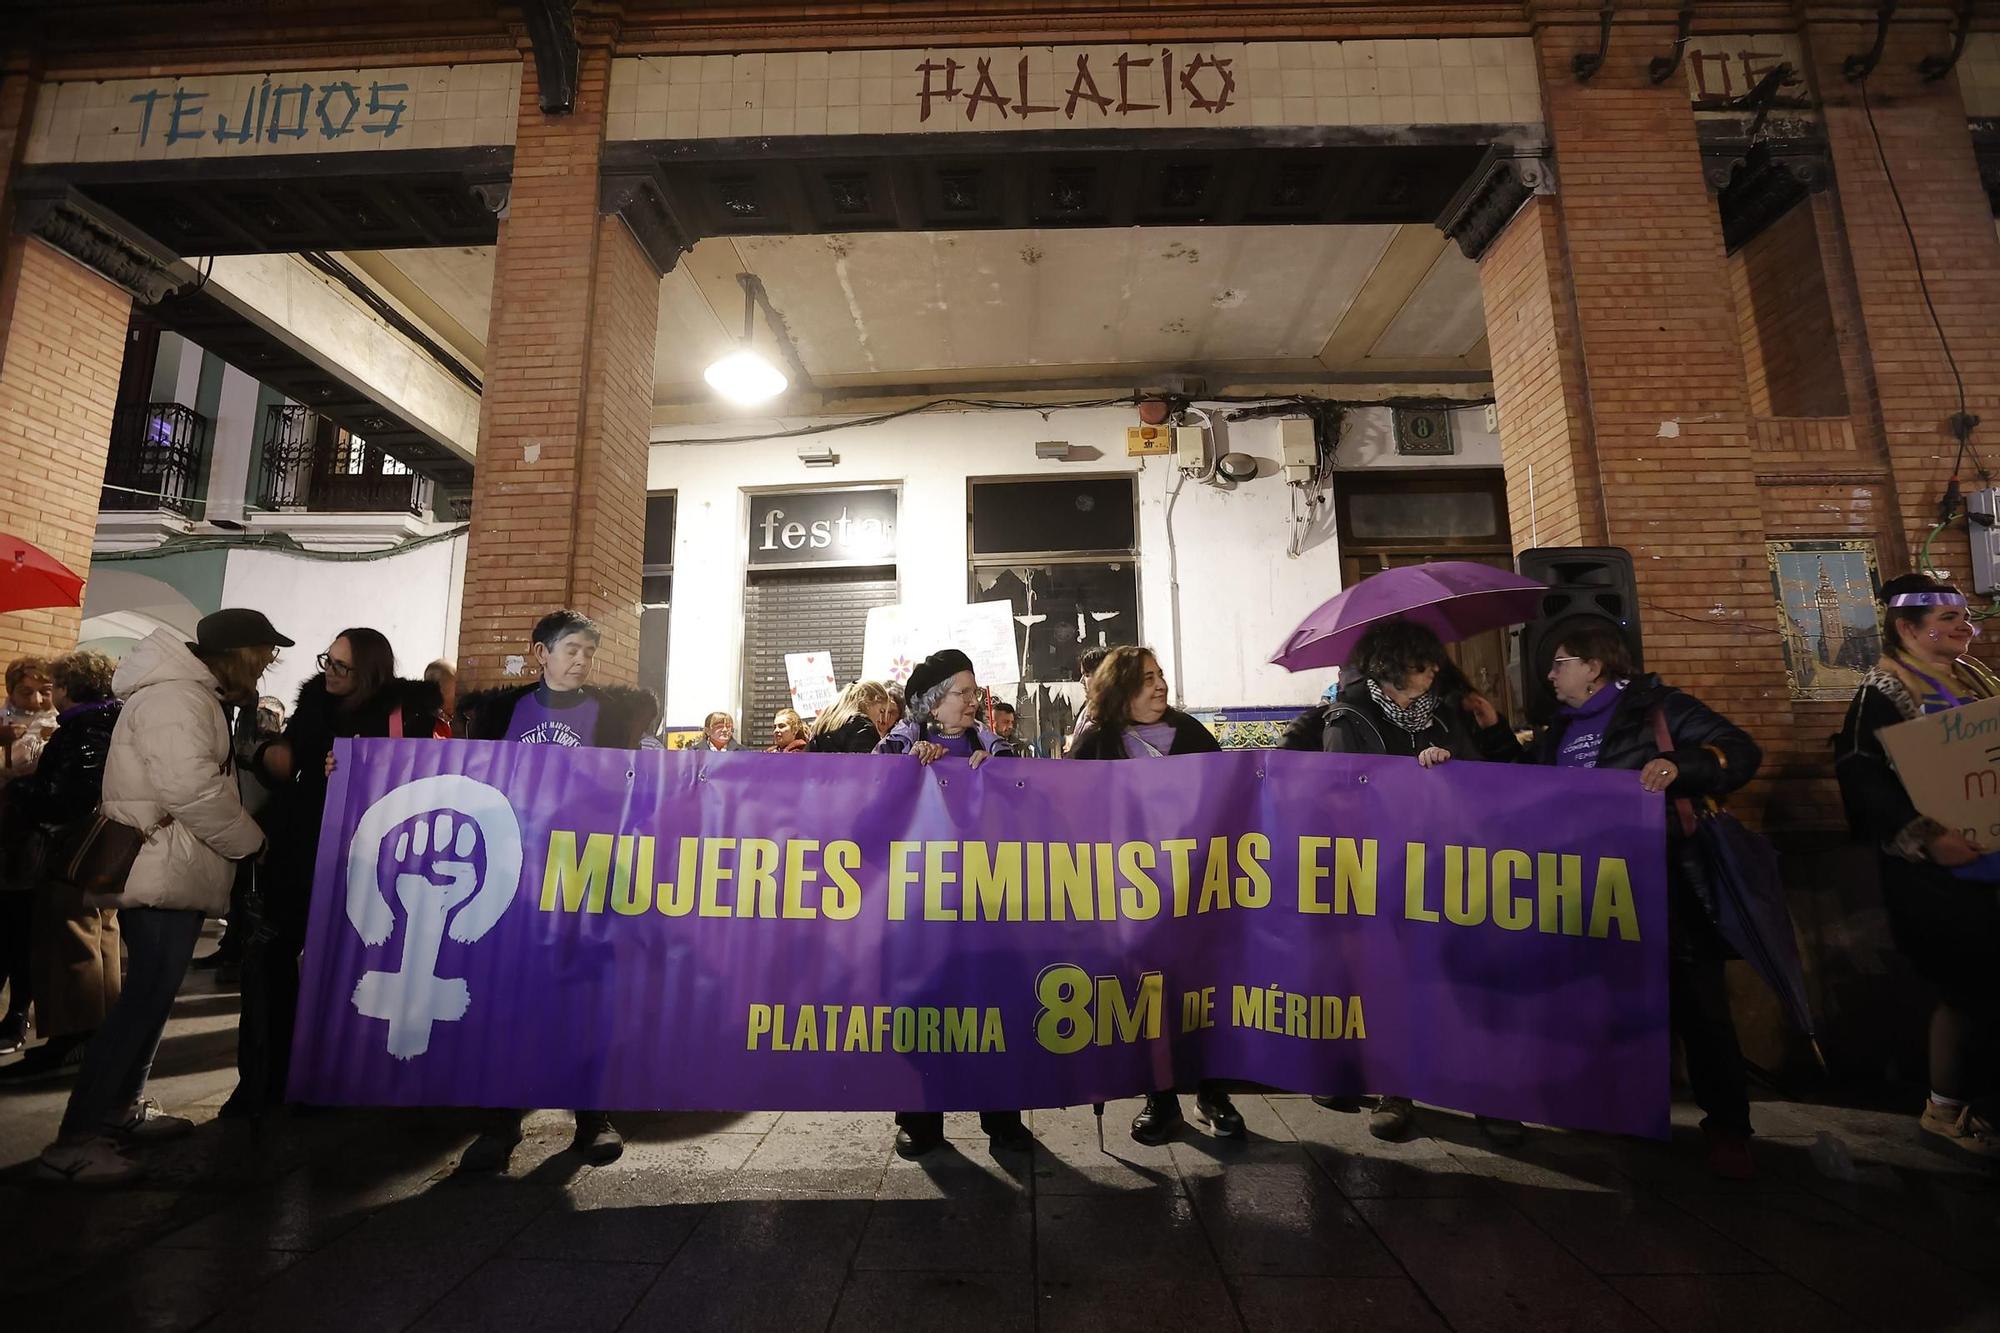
30 577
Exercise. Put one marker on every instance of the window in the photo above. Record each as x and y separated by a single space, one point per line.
1064 554
656 594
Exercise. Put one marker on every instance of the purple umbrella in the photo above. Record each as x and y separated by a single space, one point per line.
1454 599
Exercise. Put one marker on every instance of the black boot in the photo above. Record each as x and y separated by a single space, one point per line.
1158 1120
1006 1129
1220 1113
918 1132
494 1147
597 1138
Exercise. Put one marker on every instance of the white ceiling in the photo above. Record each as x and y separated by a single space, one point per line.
978 308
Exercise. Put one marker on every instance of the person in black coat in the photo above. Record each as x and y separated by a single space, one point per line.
1403 696
356 693
77 954
1938 885
856 724
1611 717
1131 719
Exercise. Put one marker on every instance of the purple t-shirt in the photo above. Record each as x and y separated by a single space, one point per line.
541 719
1584 736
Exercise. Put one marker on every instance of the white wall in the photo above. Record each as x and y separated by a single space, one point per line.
412 598
1240 593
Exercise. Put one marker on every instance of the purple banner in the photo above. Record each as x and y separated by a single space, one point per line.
514 925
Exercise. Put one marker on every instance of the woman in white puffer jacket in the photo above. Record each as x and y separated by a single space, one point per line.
171 772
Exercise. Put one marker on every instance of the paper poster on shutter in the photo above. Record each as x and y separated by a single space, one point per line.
899 637
811 678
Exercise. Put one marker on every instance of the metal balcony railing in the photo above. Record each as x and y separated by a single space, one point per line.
312 464
156 458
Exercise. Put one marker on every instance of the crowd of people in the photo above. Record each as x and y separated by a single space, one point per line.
223 793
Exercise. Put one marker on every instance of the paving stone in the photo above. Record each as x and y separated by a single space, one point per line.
1082 1238
1624 1233
1488 1270
1069 1161
1334 1305
154 1290
1734 1303
1861 1268
1105 1301
949 1235
533 1294
883 1302
751 1266
1273 1211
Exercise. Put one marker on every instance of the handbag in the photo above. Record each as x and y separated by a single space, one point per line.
95 855
1745 895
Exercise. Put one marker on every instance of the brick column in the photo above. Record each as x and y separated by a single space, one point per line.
1924 134
62 343
559 490
1620 278
1552 493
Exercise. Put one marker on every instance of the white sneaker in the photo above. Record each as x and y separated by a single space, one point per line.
147 1123
94 1161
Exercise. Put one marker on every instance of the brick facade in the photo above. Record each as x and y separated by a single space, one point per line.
559 493
1791 349
62 343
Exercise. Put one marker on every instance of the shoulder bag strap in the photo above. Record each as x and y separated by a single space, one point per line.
1664 738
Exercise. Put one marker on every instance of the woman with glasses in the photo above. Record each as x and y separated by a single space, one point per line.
1613 717
943 721
356 693
1941 887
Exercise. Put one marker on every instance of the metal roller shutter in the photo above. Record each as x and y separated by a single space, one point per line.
804 612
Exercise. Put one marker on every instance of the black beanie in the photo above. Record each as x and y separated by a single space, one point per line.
934 671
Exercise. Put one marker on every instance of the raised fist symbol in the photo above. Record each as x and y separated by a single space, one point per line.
434 870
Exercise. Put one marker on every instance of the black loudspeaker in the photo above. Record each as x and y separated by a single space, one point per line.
1586 584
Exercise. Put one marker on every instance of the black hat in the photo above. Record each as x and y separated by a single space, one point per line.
236 627
934 671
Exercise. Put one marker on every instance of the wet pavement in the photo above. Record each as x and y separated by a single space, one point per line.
356 1220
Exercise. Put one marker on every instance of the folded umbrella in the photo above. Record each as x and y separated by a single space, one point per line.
30 577
1454 599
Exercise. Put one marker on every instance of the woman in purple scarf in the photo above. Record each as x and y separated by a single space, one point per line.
943 697
1131 719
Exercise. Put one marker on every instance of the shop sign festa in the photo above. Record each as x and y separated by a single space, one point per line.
1950 762
810 676
823 528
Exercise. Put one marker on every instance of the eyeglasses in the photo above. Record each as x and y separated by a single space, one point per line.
1560 660
334 667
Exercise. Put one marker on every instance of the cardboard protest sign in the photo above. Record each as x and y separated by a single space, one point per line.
1950 762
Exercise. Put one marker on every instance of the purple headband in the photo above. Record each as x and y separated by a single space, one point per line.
1928 599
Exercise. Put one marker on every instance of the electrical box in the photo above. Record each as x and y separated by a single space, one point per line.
1298 450
1982 514
1148 440
1190 448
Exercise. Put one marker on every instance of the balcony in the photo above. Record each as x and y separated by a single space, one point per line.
157 455
313 466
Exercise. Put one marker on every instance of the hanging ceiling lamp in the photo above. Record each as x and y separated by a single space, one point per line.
744 376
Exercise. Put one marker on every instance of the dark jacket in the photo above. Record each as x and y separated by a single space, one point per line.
857 735
1878 806
69 780
490 714
292 819
1354 724
1713 754
1190 737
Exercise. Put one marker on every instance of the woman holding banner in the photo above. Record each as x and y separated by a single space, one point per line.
356 693
1612 717
856 724
1942 890
1130 719
1395 700
943 698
